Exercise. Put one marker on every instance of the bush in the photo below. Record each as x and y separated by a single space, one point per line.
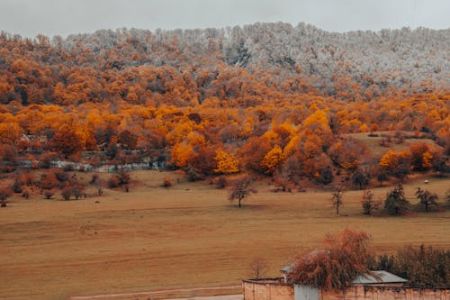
427 200
26 194
221 182
94 179
167 182
17 186
282 184
61 176
326 176
48 194
120 179
123 177
424 267
66 193
48 181
193 175
68 168
4 195
396 203
344 257
369 205
113 182
360 179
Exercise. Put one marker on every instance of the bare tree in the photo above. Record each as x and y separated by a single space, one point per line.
336 199
427 199
369 205
258 267
241 189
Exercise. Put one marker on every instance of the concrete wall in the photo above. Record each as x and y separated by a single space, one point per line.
267 289
275 289
373 293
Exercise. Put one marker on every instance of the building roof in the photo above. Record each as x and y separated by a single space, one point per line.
373 277
377 277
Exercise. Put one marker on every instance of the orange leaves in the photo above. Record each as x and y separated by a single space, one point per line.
343 257
349 153
423 155
392 159
226 163
66 140
272 159
181 154
10 132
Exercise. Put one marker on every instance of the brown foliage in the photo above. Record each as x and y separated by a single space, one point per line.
343 257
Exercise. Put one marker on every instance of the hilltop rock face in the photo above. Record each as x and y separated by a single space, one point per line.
411 59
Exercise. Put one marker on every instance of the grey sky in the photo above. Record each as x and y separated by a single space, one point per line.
51 17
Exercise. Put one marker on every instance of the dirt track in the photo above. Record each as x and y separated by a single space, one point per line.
175 294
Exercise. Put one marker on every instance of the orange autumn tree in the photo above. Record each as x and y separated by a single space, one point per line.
272 159
66 140
396 163
181 154
343 257
422 156
226 163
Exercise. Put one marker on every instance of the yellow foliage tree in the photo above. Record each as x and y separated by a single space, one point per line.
226 163
272 159
182 153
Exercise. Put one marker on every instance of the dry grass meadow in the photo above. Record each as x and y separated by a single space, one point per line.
187 236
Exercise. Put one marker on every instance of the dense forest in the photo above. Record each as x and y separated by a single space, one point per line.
267 98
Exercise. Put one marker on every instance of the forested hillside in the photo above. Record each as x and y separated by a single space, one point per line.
269 98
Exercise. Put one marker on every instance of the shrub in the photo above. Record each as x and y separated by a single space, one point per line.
120 179
94 179
123 177
221 182
167 182
336 199
360 179
282 184
192 174
113 182
4 195
427 199
17 186
26 194
396 203
47 181
66 193
68 168
424 267
326 176
241 189
369 205
61 176
77 192
48 194
344 257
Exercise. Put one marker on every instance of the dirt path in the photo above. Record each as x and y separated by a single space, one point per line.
208 293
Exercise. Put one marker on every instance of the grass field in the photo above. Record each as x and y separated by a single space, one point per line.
373 142
187 236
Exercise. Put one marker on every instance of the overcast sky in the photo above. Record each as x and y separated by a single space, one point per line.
52 17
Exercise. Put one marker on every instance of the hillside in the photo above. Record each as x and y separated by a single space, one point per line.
270 99
277 56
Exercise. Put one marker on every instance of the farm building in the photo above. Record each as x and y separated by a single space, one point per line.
375 285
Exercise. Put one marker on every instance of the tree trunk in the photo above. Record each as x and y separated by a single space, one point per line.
239 203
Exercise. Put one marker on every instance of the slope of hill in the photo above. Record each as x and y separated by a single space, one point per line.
402 57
